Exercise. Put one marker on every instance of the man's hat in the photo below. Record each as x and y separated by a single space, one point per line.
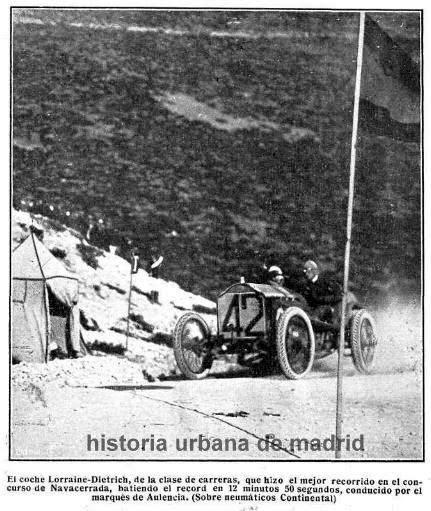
275 270
156 262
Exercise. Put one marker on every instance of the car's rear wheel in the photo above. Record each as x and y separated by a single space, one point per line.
295 343
191 350
363 340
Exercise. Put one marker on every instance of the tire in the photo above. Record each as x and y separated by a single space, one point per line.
190 332
293 327
363 341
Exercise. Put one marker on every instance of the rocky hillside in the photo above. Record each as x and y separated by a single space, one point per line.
219 139
104 285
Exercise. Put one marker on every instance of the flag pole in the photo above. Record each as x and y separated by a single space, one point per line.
128 308
339 411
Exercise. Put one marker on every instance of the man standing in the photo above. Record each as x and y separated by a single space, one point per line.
153 269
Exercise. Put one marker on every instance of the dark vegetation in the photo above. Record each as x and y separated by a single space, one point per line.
59 253
89 254
92 139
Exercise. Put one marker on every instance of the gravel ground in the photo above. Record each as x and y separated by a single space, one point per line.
89 371
382 408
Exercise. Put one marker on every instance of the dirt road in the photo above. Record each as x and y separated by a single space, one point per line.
383 408
50 421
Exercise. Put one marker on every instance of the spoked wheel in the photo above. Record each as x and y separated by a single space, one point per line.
191 350
295 343
363 340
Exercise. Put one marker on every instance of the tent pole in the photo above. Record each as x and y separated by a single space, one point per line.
339 409
45 297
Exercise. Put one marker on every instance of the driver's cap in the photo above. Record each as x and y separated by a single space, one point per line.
275 270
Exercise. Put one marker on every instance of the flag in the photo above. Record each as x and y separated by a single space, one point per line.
390 87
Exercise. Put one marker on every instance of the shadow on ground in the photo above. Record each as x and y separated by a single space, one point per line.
135 387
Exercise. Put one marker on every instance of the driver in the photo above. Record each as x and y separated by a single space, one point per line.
322 291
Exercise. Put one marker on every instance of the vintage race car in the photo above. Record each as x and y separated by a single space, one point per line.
260 322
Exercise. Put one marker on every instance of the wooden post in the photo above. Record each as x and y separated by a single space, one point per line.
339 412
133 269
128 309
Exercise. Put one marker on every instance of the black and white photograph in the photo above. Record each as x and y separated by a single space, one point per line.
216 239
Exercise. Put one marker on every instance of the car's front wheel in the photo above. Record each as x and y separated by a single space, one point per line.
191 350
295 343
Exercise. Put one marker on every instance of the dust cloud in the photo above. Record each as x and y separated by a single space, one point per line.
399 331
399 341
